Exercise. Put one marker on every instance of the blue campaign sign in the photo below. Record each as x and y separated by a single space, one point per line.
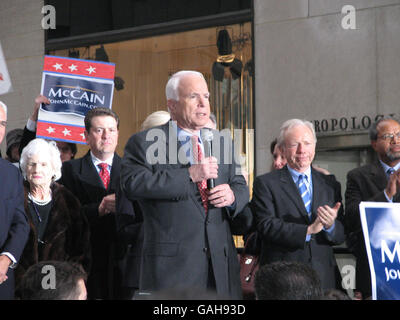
381 227
71 95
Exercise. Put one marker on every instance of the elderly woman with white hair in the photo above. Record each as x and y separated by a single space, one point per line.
59 231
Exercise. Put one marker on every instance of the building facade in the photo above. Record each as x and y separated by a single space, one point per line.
333 62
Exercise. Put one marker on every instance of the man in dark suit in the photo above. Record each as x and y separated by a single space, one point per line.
298 209
14 227
372 182
95 184
187 237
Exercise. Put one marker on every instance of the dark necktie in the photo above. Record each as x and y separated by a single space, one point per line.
104 174
202 186
305 195
390 171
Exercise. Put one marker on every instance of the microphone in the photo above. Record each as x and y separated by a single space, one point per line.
207 137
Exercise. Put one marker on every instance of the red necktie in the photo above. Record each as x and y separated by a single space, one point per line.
202 186
104 174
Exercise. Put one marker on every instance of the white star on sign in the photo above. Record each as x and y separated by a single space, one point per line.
57 66
83 136
66 132
50 130
91 69
72 67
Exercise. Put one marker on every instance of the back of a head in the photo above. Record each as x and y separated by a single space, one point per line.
13 137
334 294
51 280
192 293
284 280
155 119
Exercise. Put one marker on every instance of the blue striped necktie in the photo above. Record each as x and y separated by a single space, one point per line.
390 171
305 195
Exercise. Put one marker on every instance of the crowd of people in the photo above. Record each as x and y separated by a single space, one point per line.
147 223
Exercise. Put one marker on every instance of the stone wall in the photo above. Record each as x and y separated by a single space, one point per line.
308 66
22 40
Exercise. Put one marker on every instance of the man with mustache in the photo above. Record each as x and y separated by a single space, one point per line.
378 181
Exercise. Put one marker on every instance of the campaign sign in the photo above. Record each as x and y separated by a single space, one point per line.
73 86
75 95
381 227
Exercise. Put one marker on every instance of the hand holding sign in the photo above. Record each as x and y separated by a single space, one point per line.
38 101
70 88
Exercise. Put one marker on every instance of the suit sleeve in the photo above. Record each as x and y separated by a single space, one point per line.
139 180
337 235
243 222
19 229
353 197
270 226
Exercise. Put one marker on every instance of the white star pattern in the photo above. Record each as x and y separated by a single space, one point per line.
50 130
73 67
83 136
66 132
57 66
91 70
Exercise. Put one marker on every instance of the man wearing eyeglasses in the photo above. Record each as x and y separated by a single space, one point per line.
377 182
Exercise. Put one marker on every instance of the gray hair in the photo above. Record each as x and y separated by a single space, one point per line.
289 124
373 131
171 89
43 147
3 105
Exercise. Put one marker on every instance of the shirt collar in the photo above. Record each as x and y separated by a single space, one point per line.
96 161
183 135
386 167
295 174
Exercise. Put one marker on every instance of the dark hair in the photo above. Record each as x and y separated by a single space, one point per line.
74 149
99 112
373 131
334 294
67 275
272 145
284 280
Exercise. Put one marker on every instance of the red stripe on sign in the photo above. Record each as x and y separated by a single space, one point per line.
59 131
79 67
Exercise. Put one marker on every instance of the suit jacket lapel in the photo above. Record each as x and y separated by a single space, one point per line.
173 159
290 188
89 173
318 192
378 176
114 175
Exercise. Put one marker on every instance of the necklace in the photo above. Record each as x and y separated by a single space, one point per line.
39 202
